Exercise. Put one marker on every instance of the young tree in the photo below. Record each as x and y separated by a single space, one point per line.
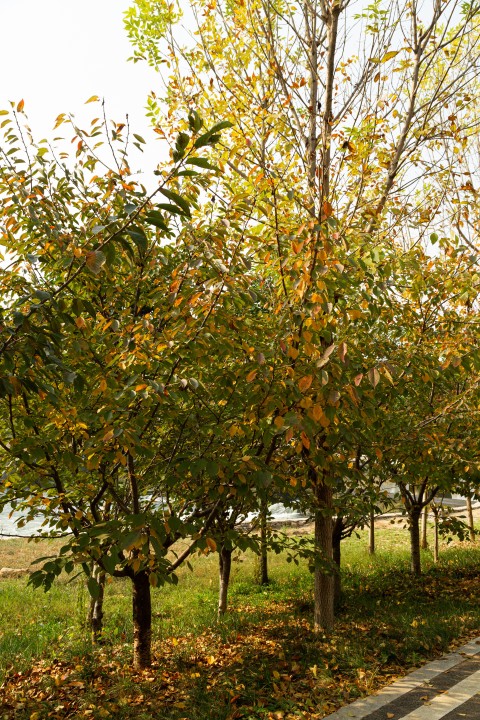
332 136
114 417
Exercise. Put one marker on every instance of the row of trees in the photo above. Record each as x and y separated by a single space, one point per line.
290 312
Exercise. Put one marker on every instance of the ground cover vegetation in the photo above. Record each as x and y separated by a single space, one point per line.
262 661
290 312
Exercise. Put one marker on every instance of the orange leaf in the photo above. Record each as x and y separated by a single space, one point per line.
20 106
317 412
305 440
251 376
211 544
305 382
342 351
327 209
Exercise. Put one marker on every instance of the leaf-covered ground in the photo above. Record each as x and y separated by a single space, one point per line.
263 661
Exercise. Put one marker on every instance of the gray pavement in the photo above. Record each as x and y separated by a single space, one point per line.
445 689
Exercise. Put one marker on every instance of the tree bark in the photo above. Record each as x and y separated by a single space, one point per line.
371 533
416 565
424 543
337 558
95 615
261 573
225 566
435 542
323 614
471 526
142 621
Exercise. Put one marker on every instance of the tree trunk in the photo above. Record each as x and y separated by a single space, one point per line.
95 615
371 533
424 543
323 614
142 621
337 556
225 566
435 542
416 565
471 526
261 571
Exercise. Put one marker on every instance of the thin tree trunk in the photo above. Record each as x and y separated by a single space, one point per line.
337 558
471 526
435 530
261 571
323 614
416 564
424 543
95 615
142 621
371 533
225 566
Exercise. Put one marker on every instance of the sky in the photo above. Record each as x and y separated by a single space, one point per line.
55 54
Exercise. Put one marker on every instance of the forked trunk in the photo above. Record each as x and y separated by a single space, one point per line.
416 565
142 621
224 566
323 614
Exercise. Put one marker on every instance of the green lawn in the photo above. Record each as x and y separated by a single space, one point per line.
261 660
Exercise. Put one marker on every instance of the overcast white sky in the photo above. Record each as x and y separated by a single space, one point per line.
55 54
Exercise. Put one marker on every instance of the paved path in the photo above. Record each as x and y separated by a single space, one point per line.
446 689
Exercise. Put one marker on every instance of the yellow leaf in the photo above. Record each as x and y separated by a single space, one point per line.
251 375
103 385
389 55
279 421
108 436
153 579
142 386
94 98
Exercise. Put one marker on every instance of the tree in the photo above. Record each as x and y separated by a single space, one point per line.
329 142
117 432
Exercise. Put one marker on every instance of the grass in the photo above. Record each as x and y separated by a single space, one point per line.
262 661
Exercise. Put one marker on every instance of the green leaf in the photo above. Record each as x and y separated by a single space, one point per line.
171 208
177 199
182 141
139 238
221 126
201 162
156 218
194 120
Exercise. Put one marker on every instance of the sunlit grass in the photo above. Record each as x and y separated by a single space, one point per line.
388 621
